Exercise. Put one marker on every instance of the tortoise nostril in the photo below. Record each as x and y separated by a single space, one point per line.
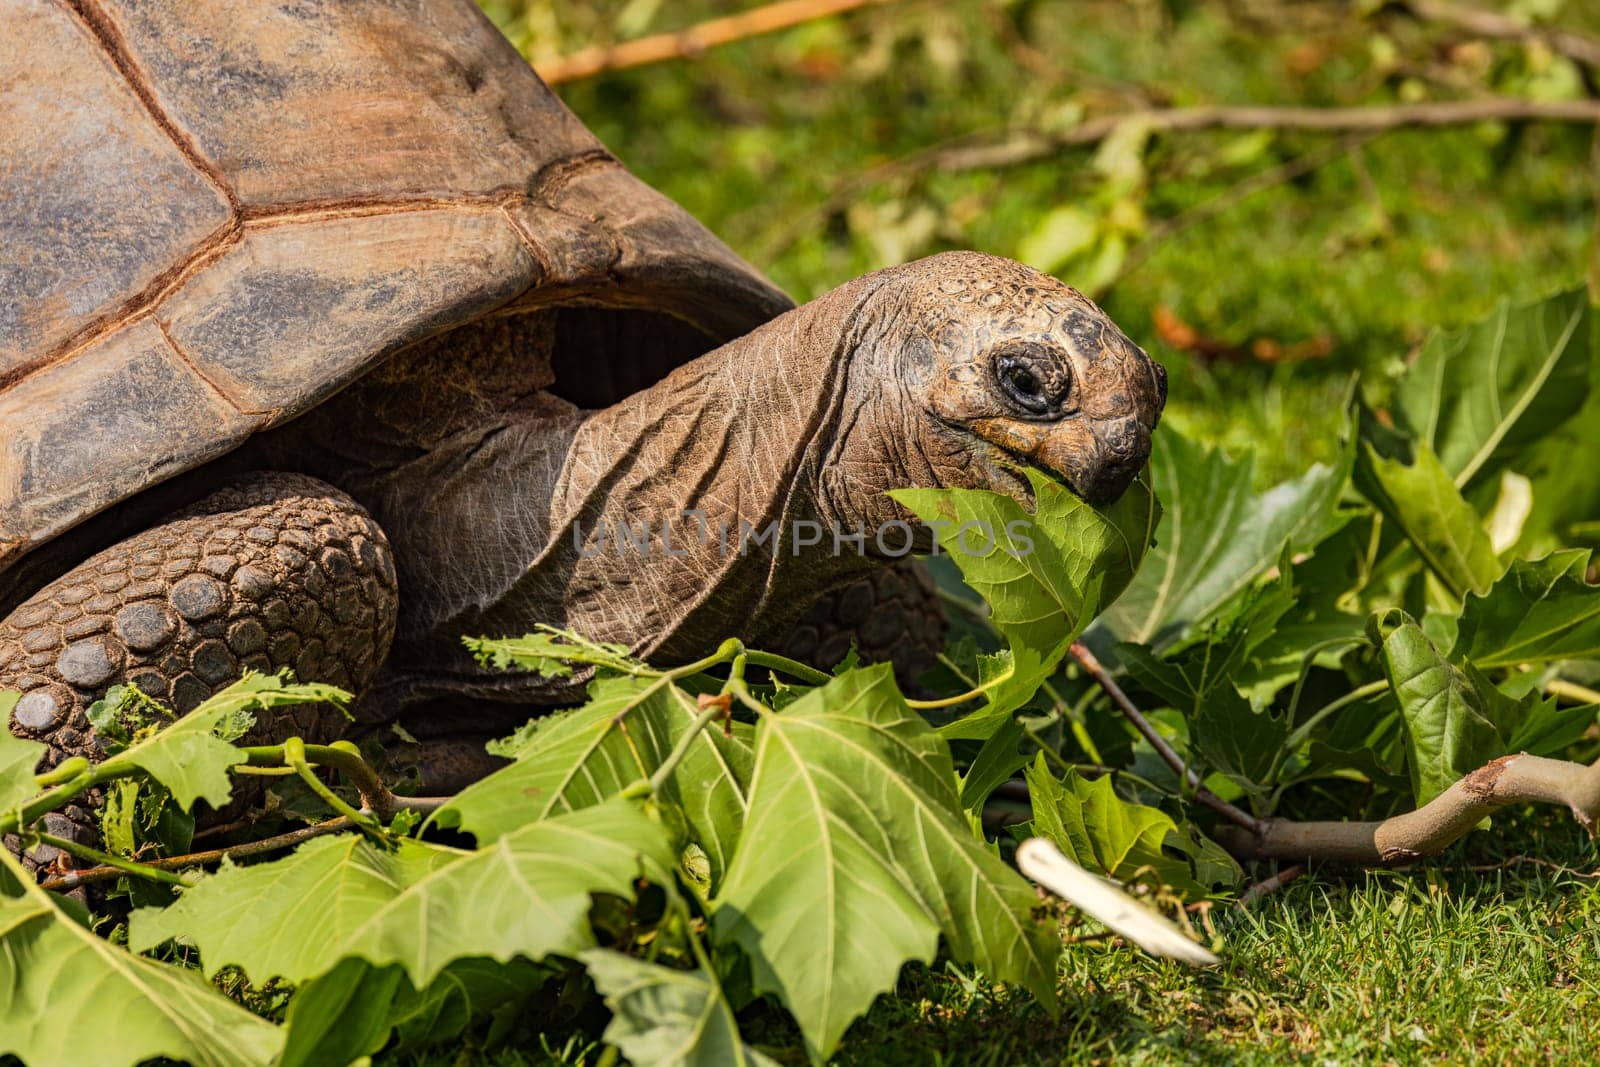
1122 438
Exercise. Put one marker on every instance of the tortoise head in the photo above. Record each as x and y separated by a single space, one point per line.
1013 368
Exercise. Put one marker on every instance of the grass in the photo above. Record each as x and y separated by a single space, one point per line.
1486 956
1436 965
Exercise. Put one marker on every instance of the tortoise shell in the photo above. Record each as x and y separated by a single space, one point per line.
214 215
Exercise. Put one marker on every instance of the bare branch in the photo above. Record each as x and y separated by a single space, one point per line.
1027 147
1520 779
685 44
197 859
1575 46
1268 886
989 151
1103 679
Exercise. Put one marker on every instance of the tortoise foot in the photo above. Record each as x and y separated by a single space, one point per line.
275 571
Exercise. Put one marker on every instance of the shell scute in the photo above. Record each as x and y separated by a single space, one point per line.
111 202
297 310
76 441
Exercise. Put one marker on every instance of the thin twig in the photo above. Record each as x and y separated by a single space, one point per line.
114 862
1517 861
197 859
1028 147
1428 831
986 151
1205 796
689 43
376 797
1268 886
1575 46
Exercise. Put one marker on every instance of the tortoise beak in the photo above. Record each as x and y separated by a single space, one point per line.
1100 460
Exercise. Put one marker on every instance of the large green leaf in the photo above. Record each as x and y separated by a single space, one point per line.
352 1010
1100 831
1566 493
1216 536
619 737
466 991
1480 396
69 998
1540 610
342 1015
419 906
1069 561
857 856
1455 719
1417 494
18 758
192 756
1226 732
666 1018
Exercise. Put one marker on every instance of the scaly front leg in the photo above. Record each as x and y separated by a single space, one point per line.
275 571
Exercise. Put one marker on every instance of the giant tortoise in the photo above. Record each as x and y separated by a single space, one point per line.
329 336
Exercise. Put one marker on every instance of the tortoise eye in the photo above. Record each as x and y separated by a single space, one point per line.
1022 383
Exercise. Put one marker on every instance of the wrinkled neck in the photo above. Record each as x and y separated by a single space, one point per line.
687 513
690 512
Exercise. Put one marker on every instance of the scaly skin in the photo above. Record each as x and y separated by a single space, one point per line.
276 571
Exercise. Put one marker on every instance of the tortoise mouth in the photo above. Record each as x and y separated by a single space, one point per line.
1001 465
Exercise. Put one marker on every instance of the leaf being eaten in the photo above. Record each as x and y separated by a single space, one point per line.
1061 565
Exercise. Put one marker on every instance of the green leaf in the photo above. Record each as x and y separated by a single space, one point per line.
1060 236
1100 831
1566 494
69 998
663 1017
465 992
857 856
549 652
18 758
1067 562
420 906
1548 729
1224 729
621 736
1480 396
191 757
1218 534
996 762
353 1009
342 1015
1540 610
1455 719
1419 496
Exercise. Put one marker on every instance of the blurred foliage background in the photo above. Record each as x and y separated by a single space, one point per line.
1262 267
